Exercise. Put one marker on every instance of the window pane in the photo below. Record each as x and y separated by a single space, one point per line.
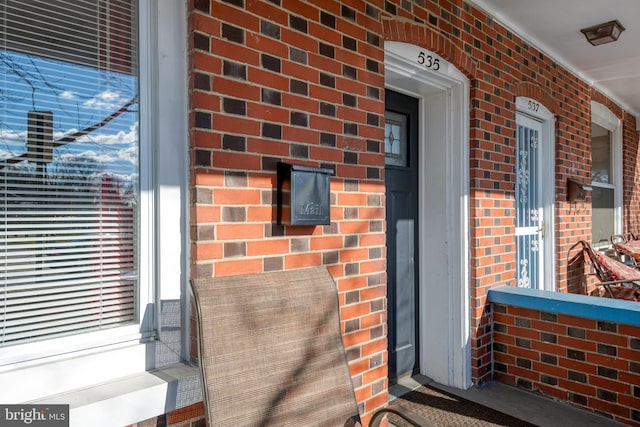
601 170
68 167
603 211
395 139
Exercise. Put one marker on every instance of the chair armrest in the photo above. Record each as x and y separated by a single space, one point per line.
410 417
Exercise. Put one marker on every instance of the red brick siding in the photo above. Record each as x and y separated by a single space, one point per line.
302 85
304 82
590 364
631 162
189 416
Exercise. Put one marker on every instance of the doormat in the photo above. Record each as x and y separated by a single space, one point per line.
447 410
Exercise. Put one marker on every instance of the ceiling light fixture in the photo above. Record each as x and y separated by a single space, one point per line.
603 33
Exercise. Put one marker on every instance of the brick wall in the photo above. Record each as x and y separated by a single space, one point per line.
630 160
591 364
303 82
190 416
302 85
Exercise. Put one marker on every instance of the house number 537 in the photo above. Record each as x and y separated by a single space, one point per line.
429 61
533 106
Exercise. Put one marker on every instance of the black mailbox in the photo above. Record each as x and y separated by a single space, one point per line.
308 198
576 190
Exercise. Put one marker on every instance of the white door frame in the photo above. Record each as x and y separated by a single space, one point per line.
546 183
444 278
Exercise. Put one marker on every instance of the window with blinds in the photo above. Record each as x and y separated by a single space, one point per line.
68 167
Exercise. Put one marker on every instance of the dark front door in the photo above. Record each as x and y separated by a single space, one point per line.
401 180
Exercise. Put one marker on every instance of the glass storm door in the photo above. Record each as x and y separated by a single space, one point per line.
529 210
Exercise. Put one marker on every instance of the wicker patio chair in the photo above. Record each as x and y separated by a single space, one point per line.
618 279
271 352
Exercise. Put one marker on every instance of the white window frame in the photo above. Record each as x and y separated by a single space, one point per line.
604 117
64 365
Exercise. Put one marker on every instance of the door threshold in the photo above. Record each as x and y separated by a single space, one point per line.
407 384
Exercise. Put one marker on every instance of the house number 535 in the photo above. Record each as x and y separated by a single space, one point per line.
429 61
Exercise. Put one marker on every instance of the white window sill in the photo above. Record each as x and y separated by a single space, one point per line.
110 386
131 399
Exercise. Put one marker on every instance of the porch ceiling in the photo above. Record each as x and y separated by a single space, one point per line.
554 27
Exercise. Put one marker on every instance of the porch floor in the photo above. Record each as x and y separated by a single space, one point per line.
494 404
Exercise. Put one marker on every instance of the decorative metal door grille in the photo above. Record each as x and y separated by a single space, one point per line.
528 213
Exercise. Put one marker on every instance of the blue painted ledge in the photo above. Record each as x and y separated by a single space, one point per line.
607 309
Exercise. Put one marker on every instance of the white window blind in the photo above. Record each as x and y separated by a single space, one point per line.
68 167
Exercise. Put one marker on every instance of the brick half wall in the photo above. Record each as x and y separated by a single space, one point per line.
579 349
